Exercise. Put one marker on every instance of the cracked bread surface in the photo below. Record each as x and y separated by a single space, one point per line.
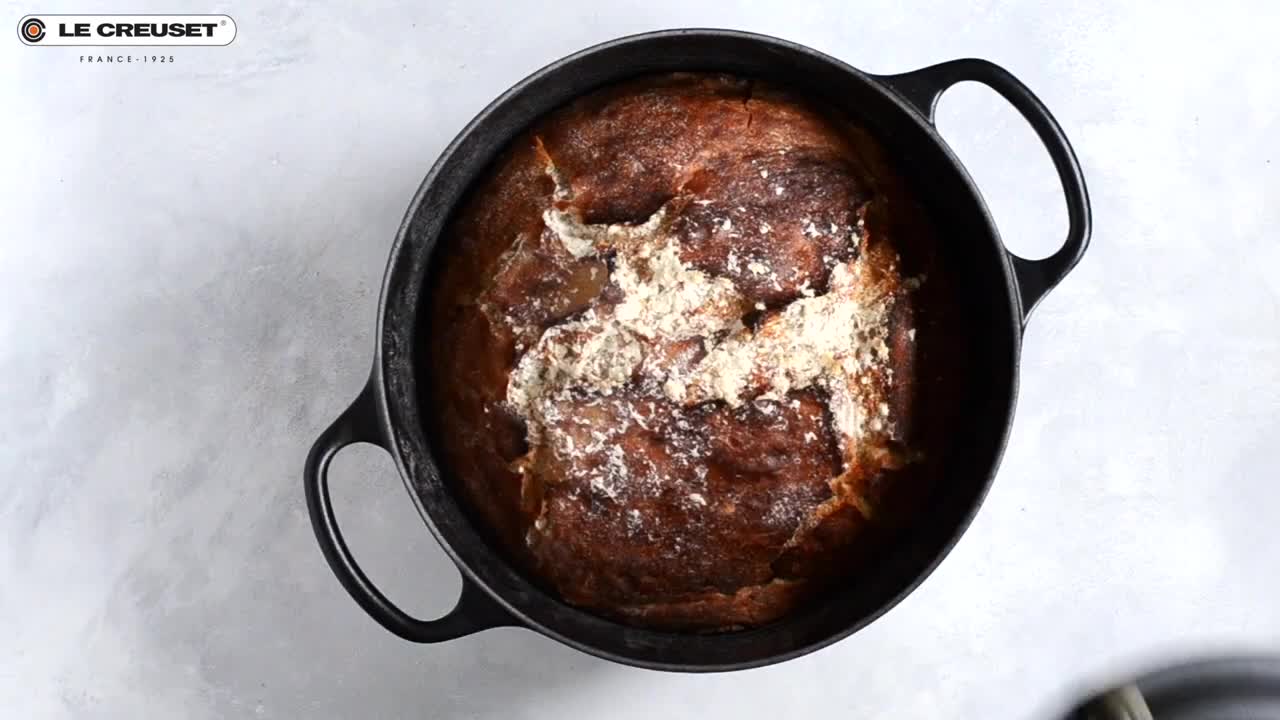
673 351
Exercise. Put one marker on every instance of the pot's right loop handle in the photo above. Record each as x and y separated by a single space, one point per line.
475 611
923 87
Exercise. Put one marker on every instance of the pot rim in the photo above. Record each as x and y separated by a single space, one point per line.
393 433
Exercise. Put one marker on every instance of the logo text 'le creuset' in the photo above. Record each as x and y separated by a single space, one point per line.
126 30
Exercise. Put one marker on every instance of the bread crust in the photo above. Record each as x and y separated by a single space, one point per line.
667 505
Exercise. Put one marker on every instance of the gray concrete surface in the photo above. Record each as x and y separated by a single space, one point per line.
189 261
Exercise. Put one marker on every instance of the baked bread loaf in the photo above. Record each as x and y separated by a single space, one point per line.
672 351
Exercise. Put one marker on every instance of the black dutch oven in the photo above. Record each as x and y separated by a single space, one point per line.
998 289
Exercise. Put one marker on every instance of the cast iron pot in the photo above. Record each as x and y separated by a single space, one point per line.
997 289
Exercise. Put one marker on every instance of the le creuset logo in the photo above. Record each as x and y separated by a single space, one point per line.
126 30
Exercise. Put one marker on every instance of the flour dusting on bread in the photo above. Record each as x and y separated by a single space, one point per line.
828 341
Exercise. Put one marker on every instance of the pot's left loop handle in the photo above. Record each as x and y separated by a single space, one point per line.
475 611
923 87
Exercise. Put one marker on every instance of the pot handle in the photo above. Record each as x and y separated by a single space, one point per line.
923 87
474 611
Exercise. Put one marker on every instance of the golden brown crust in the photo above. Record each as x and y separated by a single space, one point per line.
697 517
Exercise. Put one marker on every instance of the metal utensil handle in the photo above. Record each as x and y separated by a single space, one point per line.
923 87
1122 703
474 611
